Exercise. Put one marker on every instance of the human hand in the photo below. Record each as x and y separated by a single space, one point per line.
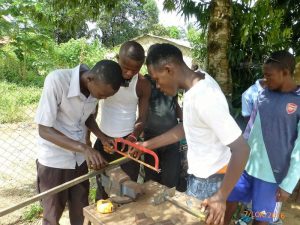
131 150
132 138
215 206
135 153
93 158
108 144
282 195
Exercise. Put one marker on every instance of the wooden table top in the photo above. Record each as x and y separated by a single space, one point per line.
125 214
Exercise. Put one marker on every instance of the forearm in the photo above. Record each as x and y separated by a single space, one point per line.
240 153
138 127
93 126
56 137
172 136
291 179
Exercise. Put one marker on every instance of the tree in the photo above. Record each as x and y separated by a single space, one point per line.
291 15
197 38
150 17
214 15
218 41
127 20
248 33
168 32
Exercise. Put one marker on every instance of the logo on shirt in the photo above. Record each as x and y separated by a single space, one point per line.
291 108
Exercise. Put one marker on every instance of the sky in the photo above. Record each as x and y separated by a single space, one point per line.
170 18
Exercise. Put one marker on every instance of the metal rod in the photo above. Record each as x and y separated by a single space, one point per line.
62 187
200 215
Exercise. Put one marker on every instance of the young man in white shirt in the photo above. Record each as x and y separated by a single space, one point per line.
215 142
64 113
119 113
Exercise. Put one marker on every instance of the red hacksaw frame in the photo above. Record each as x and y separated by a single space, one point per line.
139 148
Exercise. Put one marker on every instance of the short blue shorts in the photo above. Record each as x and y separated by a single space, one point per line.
261 193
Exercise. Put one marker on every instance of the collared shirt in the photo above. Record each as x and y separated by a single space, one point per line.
63 107
249 97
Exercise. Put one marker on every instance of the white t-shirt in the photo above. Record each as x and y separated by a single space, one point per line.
208 127
63 107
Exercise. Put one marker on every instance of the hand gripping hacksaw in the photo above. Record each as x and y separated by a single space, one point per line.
135 147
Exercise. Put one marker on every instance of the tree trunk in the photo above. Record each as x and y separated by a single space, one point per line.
218 41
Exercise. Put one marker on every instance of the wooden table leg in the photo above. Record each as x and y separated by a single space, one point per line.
86 221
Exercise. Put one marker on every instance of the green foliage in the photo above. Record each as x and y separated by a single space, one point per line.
43 60
258 27
92 194
127 20
16 71
174 32
256 31
92 5
291 15
159 30
168 32
198 43
17 102
144 70
33 213
21 80
151 16
74 52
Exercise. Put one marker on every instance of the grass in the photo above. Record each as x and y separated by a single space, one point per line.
92 194
33 213
17 103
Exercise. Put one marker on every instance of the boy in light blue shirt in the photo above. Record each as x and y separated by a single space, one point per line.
249 97
273 168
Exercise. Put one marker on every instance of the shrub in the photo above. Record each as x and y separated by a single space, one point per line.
17 103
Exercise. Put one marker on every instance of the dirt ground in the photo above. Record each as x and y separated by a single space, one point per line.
291 213
17 175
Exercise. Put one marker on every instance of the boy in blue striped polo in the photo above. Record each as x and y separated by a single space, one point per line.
273 168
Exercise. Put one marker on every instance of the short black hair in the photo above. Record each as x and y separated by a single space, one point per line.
109 72
283 60
133 50
159 54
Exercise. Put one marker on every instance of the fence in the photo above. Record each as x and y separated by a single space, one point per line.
17 164
18 152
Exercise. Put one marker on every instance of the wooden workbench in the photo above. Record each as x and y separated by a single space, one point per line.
125 214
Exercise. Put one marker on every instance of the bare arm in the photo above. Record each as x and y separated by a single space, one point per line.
240 153
171 136
143 90
217 203
56 137
88 134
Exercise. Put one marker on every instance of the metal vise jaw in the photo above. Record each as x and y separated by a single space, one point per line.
121 187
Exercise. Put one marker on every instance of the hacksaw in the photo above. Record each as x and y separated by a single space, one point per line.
139 148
